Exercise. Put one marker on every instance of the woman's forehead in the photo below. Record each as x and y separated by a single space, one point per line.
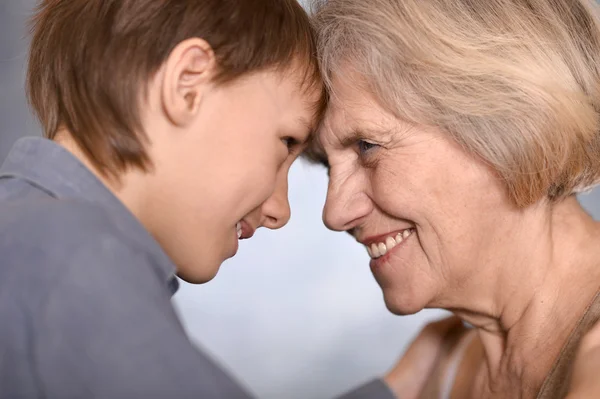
356 112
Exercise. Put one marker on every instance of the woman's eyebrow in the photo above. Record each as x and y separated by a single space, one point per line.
350 138
357 134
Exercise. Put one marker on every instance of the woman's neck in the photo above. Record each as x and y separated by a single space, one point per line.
538 298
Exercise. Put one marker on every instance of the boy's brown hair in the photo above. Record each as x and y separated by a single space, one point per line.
89 61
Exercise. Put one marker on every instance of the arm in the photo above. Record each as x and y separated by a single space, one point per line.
416 370
585 382
108 330
376 389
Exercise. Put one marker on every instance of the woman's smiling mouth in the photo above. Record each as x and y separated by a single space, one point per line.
382 245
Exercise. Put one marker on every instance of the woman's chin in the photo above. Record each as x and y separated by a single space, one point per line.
403 304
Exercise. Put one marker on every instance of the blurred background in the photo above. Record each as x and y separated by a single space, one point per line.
297 313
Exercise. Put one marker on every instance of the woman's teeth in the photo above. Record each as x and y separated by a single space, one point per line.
238 227
377 250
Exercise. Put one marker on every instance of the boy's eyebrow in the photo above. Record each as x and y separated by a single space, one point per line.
297 133
308 126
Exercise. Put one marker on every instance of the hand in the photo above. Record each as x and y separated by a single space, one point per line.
410 375
585 382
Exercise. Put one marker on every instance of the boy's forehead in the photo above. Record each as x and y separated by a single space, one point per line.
306 79
312 117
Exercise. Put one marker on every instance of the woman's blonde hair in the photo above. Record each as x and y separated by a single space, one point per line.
515 82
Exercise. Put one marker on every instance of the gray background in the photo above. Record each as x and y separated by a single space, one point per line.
297 313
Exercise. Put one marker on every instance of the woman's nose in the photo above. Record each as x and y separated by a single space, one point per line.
347 203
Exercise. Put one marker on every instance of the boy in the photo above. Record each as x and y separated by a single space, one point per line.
170 127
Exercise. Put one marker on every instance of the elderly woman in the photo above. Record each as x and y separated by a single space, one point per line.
457 135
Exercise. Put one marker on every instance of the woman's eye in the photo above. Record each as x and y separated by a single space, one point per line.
365 146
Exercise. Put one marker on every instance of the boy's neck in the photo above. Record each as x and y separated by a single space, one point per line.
129 187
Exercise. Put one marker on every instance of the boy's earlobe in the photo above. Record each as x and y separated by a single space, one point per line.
190 98
187 75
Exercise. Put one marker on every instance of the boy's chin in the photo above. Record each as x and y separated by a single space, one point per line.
198 275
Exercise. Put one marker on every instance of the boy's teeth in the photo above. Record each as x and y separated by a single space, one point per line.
238 227
377 250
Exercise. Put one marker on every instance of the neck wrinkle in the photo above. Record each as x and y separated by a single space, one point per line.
523 329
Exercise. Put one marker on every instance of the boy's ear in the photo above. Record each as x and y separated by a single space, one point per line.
187 75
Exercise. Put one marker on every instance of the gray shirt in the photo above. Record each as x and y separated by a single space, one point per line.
85 293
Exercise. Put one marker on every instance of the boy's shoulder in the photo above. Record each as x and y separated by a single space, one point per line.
48 239
37 222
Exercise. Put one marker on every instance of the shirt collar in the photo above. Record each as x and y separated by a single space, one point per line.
53 169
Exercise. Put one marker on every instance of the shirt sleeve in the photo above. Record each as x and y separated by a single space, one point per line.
376 389
108 330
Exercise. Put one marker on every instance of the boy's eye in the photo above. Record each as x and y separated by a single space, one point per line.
365 146
291 143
